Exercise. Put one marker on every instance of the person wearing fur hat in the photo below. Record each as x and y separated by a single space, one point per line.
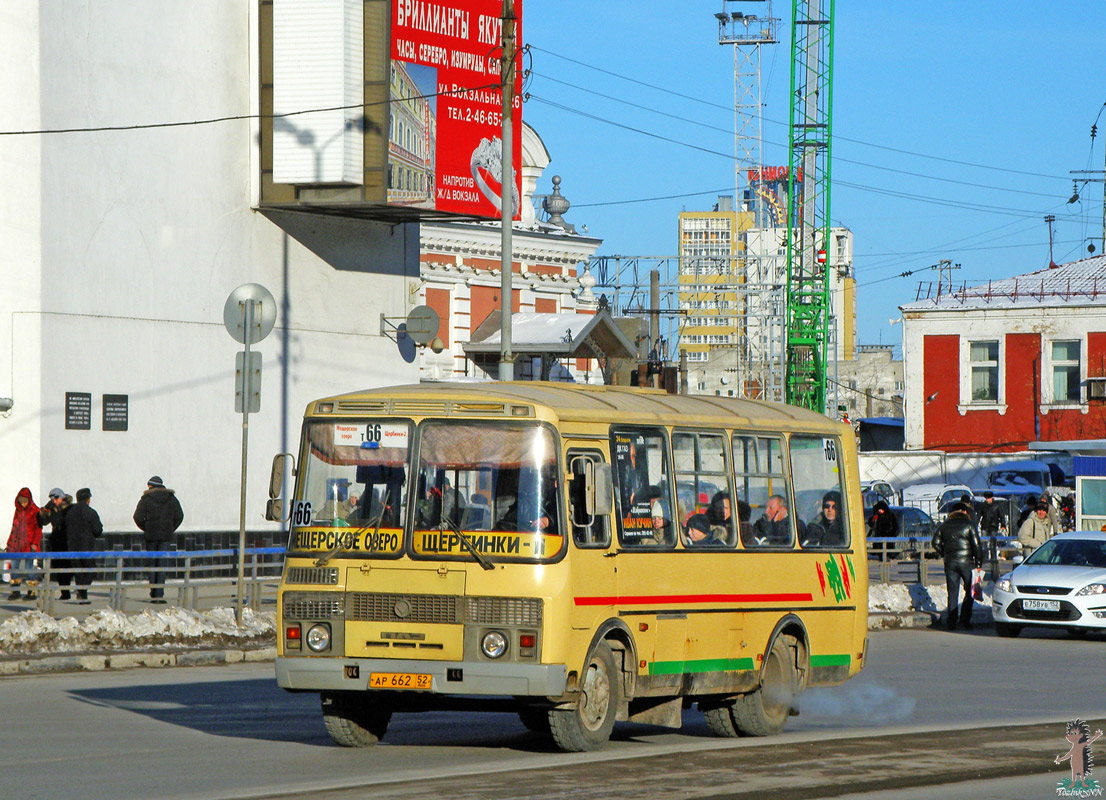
26 537
53 514
158 515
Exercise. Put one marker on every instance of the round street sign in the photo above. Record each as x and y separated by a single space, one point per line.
422 324
264 312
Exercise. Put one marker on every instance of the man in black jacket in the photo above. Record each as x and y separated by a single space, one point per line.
958 543
158 515
53 514
83 527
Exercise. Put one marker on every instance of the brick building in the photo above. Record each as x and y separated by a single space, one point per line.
996 366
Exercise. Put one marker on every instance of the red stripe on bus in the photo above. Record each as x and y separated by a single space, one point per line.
668 599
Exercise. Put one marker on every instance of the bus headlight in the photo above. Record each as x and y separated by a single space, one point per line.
318 637
494 644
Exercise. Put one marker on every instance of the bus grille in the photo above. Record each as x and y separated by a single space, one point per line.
307 605
326 576
433 608
503 611
446 609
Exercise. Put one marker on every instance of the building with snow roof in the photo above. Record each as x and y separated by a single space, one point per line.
996 366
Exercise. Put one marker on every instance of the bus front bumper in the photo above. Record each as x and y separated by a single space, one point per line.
447 677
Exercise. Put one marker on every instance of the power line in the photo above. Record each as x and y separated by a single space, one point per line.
240 117
837 158
776 122
1028 213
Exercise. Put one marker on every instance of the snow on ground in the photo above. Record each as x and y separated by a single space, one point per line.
35 632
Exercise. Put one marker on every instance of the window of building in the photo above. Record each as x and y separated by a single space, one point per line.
983 358
1065 371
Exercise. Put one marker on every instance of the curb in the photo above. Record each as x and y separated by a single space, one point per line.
97 662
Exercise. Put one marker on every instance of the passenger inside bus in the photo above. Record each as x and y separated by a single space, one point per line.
533 507
826 530
712 526
774 528
438 495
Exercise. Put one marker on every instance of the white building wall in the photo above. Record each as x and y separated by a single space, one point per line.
139 236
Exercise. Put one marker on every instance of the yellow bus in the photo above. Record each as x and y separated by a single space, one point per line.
578 554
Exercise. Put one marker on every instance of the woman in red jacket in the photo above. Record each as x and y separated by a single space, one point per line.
26 537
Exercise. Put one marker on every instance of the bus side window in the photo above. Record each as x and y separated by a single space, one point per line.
646 514
587 531
819 491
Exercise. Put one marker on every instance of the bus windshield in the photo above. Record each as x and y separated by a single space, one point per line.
495 483
353 483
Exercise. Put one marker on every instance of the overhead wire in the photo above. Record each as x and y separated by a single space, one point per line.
836 135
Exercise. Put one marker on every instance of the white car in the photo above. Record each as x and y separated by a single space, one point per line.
1062 584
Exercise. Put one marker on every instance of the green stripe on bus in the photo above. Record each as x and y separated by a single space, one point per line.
834 660
702 665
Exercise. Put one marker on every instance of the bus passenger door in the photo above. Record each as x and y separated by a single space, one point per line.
593 566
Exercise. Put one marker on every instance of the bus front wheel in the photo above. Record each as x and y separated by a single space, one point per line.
588 726
353 720
763 712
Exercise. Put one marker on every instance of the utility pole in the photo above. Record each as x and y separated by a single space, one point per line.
506 75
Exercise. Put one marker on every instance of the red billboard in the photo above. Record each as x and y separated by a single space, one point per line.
445 146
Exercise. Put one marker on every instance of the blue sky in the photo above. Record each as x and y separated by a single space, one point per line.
956 126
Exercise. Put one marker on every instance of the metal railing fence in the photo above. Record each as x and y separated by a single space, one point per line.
125 573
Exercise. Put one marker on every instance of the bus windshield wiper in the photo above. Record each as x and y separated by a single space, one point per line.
481 559
338 548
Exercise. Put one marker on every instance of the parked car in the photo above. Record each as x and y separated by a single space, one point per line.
874 490
930 497
913 523
1062 584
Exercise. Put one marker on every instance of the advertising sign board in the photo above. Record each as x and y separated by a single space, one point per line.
444 149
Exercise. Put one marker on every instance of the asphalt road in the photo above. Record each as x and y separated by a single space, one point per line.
931 709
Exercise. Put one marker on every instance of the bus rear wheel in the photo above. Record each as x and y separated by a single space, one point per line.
763 712
588 726
353 720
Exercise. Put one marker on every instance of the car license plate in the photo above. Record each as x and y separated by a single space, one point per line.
1041 605
398 680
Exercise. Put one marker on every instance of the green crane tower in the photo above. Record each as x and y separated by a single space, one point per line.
809 208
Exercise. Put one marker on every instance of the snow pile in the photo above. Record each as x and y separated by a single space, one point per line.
35 632
899 598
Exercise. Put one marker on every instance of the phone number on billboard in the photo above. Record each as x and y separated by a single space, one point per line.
478 115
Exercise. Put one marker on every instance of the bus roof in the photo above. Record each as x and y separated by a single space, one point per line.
578 402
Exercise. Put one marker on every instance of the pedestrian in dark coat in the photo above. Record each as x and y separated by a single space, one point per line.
957 541
53 514
158 515
883 523
83 528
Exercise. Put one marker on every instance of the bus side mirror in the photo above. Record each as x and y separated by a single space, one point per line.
598 487
274 507
274 510
276 477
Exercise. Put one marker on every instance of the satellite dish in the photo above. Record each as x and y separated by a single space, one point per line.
264 312
422 324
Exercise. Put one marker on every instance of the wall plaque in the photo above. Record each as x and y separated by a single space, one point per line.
115 412
78 411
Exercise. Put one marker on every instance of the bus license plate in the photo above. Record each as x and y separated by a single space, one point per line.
398 680
1041 605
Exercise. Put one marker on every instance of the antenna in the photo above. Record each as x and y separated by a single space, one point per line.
1050 218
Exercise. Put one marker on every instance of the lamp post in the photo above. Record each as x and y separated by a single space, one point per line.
506 75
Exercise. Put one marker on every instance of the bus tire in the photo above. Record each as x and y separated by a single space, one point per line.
1007 630
764 711
720 721
588 726
353 720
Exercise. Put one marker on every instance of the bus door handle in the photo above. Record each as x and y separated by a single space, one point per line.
610 554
